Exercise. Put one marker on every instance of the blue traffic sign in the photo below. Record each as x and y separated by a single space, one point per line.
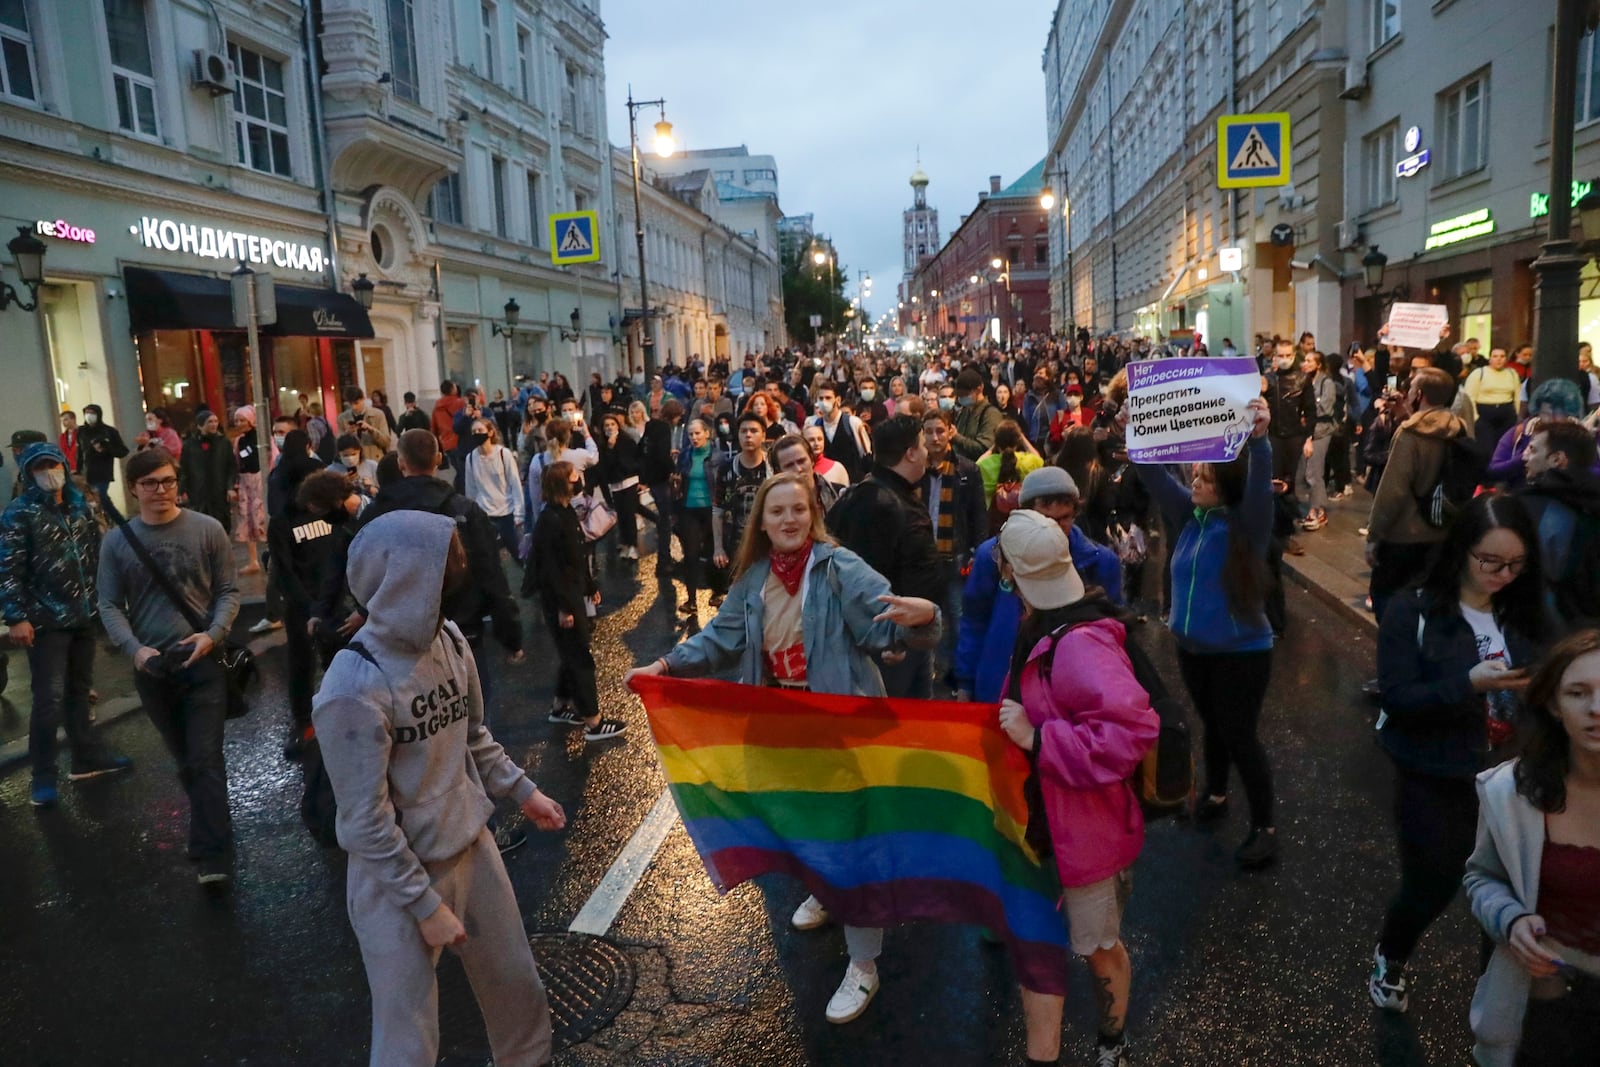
1252 150
574 237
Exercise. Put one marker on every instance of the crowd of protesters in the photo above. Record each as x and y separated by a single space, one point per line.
986 537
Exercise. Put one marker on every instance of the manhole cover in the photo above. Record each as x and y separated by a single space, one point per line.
588 980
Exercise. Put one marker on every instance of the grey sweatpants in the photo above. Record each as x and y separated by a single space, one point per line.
496 957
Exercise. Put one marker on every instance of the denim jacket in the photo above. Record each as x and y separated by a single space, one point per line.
840 593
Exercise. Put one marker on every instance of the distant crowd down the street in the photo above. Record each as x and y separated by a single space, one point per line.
949 521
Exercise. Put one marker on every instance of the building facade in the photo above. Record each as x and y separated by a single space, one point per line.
1449 143
958 291
919 228
1133 92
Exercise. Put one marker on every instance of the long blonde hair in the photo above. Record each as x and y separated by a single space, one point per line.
756 545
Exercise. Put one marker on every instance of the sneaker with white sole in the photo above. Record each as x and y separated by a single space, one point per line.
604 730
565 715
1388 987
853 995
809 915
266 626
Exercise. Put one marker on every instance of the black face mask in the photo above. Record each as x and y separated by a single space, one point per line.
479 439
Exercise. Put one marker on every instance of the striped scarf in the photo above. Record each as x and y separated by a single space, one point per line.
945 534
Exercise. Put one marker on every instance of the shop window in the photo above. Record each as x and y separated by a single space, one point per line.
1589 304
294 373
1477 304
172 373
17 79
1384 20
445 203
260 111
1378 183
132 73
403 49
1464 127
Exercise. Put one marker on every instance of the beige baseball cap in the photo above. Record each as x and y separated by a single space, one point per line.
1041 561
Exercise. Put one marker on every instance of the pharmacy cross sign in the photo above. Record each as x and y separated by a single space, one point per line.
574 237
1252 150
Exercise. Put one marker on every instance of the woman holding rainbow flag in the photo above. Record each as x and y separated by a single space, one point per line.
804 613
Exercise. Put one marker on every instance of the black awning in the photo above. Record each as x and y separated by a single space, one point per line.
171 300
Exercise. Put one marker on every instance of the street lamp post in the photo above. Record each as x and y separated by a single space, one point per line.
28 252
664 147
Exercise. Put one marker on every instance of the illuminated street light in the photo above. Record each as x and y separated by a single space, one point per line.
665 144
995 263
1047 198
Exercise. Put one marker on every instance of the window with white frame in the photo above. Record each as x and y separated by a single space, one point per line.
569 96
132 71
260 111
1464 128
497 172
488 16
1385 21
1588 109
525 63
403 49
445 203
762 174
17 79
1377 167
535 211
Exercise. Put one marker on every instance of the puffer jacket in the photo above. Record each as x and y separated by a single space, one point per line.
49 553
1094 724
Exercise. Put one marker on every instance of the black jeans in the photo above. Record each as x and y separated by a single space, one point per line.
626 501
1564 1032
187 710
1493 421
1398 566
694 530
303 652
62 665
661 493
1228 689
574 663
1437 823
1286 459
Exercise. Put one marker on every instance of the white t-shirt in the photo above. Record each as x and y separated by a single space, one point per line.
1502 704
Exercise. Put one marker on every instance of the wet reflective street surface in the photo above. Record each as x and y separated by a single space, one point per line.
111 955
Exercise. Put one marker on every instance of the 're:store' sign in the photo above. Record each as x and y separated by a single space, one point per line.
62 230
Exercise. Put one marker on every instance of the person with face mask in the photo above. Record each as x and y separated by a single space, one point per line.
158 433
208 475
976 418
99 448
412 418
1294 412
846 439
249 500
493 483
352 462
49 551
400 719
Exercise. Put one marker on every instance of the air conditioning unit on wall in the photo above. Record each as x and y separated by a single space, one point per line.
1355 80
212 72
1349 234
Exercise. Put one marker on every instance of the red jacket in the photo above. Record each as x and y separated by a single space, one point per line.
1095 725
444 417
69 448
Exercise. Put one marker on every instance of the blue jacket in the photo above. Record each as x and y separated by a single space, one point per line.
990 617
686 461
840 605
1201 619
49 553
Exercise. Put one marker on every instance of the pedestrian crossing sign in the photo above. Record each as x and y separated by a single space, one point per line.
1252 150
574 237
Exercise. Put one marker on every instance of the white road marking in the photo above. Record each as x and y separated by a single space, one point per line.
600 910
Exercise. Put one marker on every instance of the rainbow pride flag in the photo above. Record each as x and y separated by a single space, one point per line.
890 811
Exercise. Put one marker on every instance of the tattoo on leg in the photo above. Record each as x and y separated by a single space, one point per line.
1111 1023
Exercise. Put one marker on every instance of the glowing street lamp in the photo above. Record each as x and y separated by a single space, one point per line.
665 144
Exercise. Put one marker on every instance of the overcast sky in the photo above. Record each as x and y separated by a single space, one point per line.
842 92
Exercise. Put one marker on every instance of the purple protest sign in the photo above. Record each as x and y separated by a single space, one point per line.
1190 410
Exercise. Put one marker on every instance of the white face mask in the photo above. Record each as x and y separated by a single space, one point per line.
90 417
51 481
152 425
277 440
351 459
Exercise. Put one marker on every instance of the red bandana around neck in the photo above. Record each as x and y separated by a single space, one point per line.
790 567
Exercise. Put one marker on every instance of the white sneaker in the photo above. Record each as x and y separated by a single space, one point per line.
809 915
853 994
266 626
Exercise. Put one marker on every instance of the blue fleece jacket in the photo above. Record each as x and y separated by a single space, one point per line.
990 617
1201 619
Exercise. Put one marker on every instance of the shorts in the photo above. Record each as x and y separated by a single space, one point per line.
1094 912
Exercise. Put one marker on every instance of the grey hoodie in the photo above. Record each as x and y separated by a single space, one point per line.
404 742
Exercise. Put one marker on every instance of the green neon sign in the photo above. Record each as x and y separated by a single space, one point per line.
1539 203
1461 228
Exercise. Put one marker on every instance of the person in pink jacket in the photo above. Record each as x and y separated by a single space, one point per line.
1074 705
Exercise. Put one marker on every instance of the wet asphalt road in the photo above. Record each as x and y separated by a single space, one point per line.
110 955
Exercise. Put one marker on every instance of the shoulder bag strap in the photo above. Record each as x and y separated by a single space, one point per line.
162 581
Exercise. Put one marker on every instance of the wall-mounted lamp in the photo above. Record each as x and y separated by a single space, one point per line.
362 289
513 315
576 333
28 252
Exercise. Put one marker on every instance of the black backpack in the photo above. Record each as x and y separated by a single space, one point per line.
1460 472
1164 779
